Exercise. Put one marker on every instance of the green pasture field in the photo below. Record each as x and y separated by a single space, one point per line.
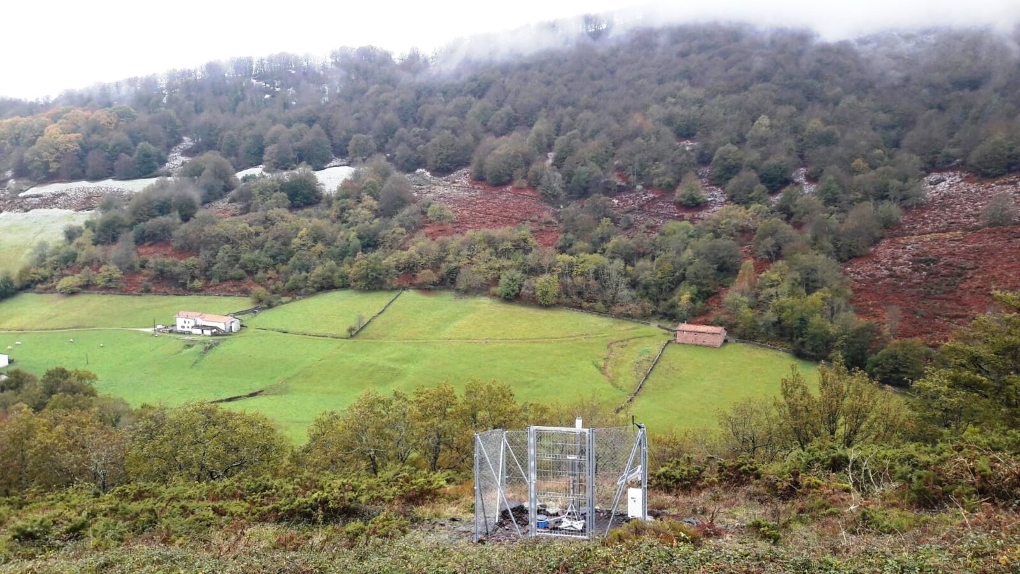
21 232
553 355
323 314
32 312
690 385
446 316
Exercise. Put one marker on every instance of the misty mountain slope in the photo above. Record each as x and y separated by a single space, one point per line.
938 97
771 146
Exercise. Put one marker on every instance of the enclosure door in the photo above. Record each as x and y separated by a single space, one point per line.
561 481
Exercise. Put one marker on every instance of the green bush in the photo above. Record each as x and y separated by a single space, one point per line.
887 520
689 193
1001 211
665 531
69 285
510 285
547 290
765 530
678 476
387 525
439 213
31 530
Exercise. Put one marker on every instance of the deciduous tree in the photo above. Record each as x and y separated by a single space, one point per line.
203 442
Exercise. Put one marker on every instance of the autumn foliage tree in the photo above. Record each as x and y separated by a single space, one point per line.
202 442
371 434
849 409
432 428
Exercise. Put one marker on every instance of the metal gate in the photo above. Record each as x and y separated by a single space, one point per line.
561 480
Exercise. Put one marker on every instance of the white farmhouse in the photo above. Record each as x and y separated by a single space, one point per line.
4 361
206 323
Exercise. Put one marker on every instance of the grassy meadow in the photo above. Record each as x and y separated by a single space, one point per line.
21 232
446 316
31 312
690 385
421 339
323 314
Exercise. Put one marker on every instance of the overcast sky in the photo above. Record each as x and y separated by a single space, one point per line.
52 46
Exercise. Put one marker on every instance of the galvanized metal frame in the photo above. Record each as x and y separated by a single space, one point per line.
640 449
551 463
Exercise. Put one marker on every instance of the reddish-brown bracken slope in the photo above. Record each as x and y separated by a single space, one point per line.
936 269
478 206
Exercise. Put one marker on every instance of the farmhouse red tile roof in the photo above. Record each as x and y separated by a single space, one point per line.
204 316
689 328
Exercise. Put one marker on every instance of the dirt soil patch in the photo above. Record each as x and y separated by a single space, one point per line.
650 209
161 249
476 205
479 206
134 284
936 270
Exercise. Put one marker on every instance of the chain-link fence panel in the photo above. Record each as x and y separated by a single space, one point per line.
516 445
619 467
488 481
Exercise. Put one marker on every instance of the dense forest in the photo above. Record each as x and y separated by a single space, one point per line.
897 103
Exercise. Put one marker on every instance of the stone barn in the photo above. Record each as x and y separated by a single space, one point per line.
704 335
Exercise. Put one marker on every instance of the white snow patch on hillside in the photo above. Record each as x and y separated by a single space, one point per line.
330 178
175 159
128 185
256 171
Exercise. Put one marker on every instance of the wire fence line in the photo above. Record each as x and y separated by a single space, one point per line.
762 345
302 333
648 373
250 311
377 313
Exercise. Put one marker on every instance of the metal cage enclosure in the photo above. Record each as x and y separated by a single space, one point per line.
559 481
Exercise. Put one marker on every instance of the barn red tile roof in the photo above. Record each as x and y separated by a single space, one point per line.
689 328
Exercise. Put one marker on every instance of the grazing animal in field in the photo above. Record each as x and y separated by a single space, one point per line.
17 342
70 340
100 345
9 347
